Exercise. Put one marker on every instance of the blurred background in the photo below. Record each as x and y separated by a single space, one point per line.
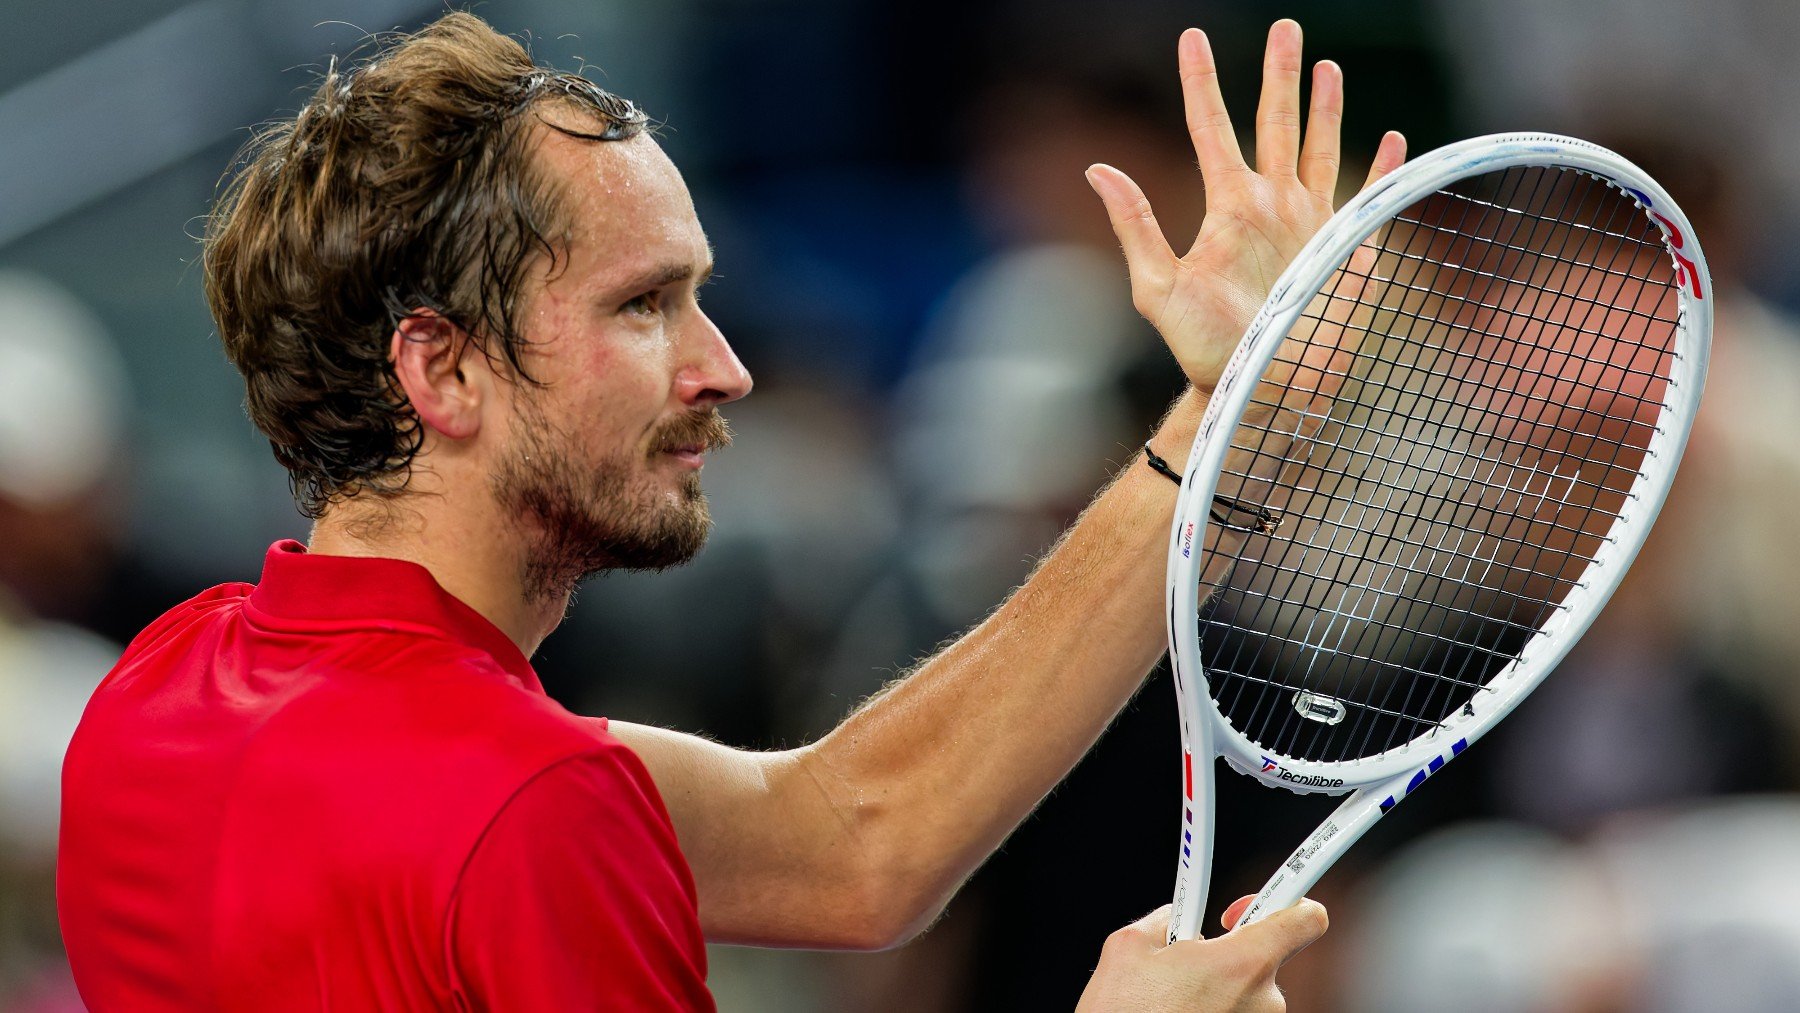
947 367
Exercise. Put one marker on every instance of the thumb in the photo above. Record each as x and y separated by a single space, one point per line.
1147 253
1285 932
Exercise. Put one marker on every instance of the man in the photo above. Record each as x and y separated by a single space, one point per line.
461 290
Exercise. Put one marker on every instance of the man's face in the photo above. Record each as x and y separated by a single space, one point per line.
602 462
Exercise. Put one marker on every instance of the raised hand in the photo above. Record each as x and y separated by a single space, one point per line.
1256 220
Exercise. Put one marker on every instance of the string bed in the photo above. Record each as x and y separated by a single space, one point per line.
1446 435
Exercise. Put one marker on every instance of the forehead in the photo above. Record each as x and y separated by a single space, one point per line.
626 205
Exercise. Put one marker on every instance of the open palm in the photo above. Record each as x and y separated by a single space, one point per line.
1256 220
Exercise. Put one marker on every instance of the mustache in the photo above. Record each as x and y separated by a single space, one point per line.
704 428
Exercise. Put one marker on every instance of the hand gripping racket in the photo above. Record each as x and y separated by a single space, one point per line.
1426 466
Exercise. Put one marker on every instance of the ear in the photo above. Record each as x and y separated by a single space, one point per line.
430 353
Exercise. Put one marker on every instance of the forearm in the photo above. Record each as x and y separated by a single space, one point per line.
929 777
859 839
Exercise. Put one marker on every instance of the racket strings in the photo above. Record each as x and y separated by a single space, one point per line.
1573 480
1385 675
1450 430
1463 620
1619 213
1565 385
1461 636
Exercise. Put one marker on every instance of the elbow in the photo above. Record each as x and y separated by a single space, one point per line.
902 884
870 937
879 885
887 908
881 896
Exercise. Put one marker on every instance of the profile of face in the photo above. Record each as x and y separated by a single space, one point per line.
600 460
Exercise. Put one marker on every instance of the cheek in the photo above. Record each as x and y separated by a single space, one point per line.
620 389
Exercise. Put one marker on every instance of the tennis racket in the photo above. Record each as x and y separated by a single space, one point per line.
1424 470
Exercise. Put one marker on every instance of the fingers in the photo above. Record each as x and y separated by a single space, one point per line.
1209 125
1320 159
1283 933
1278 113
1147 253
1388 156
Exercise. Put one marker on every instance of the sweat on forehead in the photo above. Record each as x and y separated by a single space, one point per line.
626 209
625 165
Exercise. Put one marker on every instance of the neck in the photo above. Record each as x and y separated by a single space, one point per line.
471 552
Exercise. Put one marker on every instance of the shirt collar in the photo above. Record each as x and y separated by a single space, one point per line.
297 584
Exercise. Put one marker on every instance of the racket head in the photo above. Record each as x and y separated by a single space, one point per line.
1469 710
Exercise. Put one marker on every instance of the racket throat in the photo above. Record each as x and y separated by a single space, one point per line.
1321 850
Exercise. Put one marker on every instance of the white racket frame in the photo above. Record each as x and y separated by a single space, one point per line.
1377 783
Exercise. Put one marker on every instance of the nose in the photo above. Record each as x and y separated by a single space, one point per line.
714 375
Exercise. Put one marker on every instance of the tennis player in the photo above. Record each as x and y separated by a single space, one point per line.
461 291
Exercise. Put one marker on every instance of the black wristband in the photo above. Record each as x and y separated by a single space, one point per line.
1267 521
1160 465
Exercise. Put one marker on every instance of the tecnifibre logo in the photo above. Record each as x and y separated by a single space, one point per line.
1310 780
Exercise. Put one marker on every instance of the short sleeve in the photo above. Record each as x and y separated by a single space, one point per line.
577 897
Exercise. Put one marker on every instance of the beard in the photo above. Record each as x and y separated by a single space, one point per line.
612 514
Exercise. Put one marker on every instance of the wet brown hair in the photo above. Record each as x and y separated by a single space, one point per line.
406 182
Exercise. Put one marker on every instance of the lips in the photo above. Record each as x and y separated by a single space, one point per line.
687 457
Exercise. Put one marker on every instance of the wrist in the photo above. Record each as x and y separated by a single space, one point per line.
1174 435
1226 511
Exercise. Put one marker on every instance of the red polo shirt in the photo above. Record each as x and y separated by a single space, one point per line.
343 789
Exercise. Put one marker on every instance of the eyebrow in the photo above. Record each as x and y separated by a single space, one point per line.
668 274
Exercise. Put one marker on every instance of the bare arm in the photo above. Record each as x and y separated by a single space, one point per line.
859 839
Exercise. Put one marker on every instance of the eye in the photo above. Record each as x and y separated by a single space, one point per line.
641 305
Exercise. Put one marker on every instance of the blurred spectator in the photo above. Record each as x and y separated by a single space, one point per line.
1479 918
1670 911
62 405
1682 690
1708 909
62 411
1036 370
